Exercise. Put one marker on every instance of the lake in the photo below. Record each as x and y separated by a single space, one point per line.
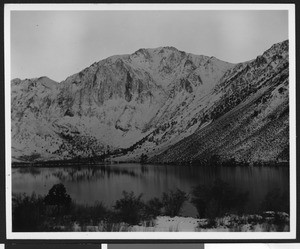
105 183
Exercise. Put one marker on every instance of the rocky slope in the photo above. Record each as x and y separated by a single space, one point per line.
250 120
168 104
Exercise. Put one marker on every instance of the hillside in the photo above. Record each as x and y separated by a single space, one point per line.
249 122
173 106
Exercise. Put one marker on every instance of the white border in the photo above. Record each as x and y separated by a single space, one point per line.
122 7
153 235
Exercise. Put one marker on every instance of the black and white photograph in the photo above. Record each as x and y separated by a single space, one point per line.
150 121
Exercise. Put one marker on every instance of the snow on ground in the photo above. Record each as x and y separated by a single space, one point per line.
168 224
267 222
230 223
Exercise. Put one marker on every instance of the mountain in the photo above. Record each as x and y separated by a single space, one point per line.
249 122
173 106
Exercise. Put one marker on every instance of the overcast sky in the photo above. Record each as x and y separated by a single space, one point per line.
60 43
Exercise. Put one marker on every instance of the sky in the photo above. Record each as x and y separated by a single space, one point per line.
58 44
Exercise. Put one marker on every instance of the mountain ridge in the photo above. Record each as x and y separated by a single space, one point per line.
121 102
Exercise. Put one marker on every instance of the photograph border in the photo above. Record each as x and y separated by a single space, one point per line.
177 236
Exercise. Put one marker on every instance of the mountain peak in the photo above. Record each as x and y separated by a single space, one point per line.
150 101
44 78
283 44
170 48
158 49
16 81
278 48
46 81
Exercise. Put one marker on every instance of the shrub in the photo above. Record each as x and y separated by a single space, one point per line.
153 208
129 208
88 215
280 221
98 212
173 202
218 199
200 199
27 213
58 198
276 201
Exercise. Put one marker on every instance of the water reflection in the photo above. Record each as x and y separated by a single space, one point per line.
89 173
30 170
88 184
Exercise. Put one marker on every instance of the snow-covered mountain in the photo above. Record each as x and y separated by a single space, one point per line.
168 104
246 118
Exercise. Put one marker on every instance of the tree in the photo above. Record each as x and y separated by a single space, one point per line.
58 197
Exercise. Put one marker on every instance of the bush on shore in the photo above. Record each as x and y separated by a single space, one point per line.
173 202
28 212
58 212
129 208
217 200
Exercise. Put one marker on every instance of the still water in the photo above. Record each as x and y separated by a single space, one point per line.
88 184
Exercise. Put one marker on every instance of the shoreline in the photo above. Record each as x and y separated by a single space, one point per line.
88 162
